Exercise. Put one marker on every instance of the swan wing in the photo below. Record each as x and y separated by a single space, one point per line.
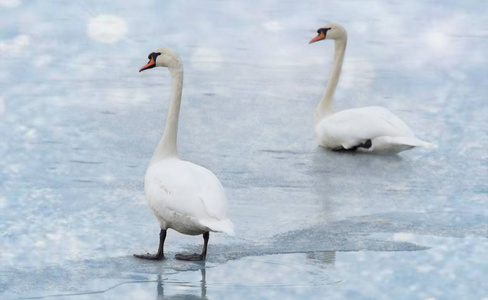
179 190
212 196
352 127
396 144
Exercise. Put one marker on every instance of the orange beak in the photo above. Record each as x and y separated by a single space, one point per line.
319 37
149 65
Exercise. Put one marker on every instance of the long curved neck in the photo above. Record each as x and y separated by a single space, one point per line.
324 108
167 144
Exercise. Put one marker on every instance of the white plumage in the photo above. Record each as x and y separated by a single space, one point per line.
186 197
368 129
182 195
352 127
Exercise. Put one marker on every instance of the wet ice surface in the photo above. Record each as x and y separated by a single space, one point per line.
79 124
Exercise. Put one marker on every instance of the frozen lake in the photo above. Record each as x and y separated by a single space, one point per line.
78 126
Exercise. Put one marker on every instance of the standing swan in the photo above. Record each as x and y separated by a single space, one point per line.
183 196
369 129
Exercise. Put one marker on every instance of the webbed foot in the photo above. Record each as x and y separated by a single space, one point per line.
190 257
157 256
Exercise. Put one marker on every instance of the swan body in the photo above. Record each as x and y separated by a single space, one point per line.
368 129
182 195
352 128
186 197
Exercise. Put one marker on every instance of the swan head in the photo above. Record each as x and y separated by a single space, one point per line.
330 31
163 57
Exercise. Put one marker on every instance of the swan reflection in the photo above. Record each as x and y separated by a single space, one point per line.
203 289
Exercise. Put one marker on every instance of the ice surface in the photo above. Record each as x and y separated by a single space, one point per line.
79 124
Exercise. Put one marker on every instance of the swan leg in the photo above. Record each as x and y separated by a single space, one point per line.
366 144
341 148
160 254
196 256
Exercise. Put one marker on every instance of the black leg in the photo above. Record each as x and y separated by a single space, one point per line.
160 254
366 144
340 148
196 256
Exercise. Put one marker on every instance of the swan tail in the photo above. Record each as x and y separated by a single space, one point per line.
428 145
412 141
395 144
225 226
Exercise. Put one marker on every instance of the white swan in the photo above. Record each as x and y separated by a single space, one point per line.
369 129
183 196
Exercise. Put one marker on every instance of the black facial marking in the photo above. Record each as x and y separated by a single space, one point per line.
323 30
153 55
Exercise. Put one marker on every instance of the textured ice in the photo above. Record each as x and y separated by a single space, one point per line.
78 125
